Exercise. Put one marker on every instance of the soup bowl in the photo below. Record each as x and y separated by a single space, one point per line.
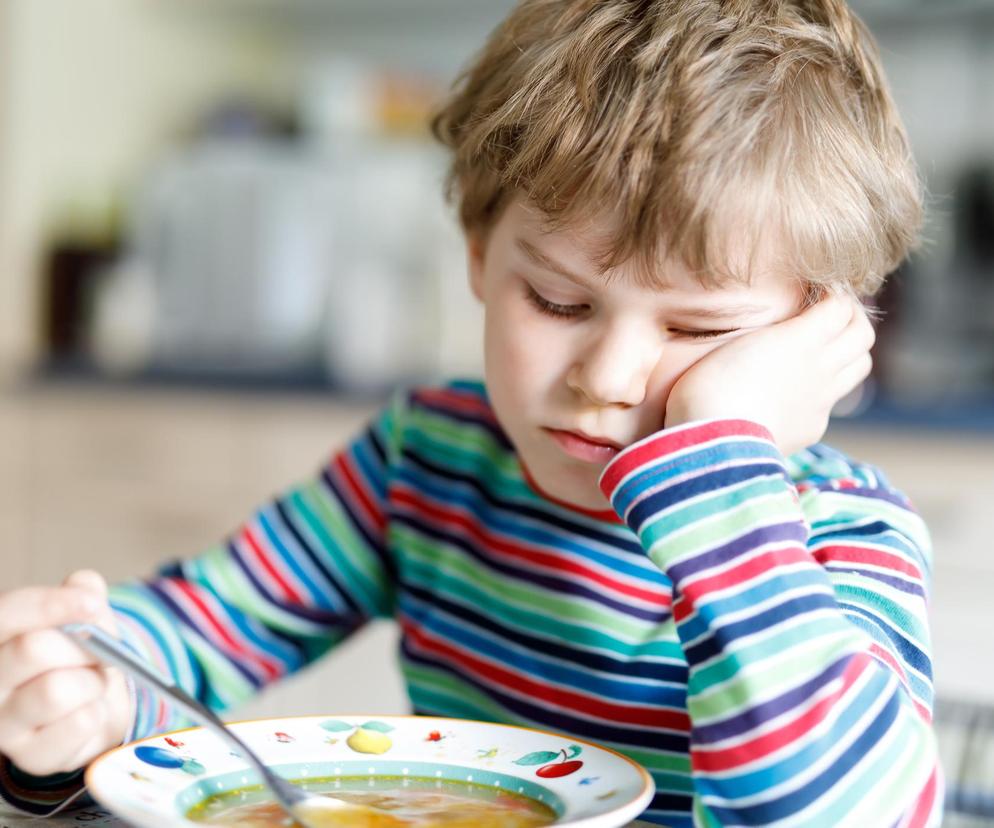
173 779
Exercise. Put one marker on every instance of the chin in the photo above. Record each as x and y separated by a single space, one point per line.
585 497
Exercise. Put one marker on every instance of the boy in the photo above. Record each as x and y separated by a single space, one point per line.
629 534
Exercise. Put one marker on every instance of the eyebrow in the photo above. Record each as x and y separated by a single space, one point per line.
726 312
542 260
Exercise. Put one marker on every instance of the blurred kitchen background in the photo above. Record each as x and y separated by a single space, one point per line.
222 241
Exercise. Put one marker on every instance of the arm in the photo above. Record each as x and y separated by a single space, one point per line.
301 575
809 687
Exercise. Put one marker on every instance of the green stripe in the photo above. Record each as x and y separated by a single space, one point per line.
452 573
902 765
703 508
337 539
225 686
708 697
907 623
727 523
443 691
229 583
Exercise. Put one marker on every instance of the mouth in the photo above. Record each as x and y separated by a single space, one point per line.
582 447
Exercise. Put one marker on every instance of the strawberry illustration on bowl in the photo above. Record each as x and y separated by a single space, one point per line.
554 764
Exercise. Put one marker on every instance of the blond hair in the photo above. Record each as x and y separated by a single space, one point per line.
698 125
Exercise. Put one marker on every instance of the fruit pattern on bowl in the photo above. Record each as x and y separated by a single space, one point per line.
156 780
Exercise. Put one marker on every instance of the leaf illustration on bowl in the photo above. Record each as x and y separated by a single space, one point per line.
552 769
370 737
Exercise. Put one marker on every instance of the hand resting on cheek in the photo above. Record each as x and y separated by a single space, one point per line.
787 376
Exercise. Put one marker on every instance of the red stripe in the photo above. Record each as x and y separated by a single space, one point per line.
234 646
863 554
740 574
288 591
668 441
925 803
887 658
558 564
518 683
456 401
368 507
713 760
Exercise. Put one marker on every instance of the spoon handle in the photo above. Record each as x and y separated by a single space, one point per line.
108 649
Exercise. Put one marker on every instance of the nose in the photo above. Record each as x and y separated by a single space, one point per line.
616 368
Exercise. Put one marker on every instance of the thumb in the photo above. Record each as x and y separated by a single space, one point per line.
93 582
89 580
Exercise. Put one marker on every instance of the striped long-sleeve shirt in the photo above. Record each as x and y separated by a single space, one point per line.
750 628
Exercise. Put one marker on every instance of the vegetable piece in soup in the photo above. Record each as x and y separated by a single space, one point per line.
420 803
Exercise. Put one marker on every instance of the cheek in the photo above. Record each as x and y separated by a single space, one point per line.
521 347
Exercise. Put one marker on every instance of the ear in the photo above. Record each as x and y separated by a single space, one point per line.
476 250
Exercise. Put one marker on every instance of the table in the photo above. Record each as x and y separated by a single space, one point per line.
99 817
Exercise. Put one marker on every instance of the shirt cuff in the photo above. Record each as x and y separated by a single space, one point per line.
658 463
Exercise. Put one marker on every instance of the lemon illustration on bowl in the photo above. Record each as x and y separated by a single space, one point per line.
370 737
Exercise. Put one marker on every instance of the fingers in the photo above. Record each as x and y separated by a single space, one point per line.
38 608
54 712
852 375
33 653
64 744
828 317
88 580
47 698
93 582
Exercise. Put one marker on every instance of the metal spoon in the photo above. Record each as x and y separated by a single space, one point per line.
309 809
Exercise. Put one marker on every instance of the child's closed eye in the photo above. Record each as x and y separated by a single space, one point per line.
685 333
561 311
554 309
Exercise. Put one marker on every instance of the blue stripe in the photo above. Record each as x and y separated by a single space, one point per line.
759 714
697 624
639 665
655 473
617 536
451 494
289 559
789 804
556 584
717 642
426 611
550 718
793 764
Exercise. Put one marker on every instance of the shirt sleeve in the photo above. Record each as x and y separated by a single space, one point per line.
801 607
303 573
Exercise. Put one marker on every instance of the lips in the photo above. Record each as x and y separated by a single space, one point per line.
583 447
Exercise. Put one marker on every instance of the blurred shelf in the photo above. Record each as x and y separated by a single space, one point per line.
431 14
880 14
973 414
402 15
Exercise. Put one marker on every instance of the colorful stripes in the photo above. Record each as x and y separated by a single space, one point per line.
754 633
809 676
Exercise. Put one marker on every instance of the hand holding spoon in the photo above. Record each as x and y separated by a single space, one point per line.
310 810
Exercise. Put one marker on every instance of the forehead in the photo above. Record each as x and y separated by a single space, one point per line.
582 247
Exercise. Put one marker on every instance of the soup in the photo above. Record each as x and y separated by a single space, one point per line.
417 802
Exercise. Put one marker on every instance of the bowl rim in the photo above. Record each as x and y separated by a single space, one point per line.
644 795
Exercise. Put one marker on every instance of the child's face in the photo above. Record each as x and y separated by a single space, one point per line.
592 355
